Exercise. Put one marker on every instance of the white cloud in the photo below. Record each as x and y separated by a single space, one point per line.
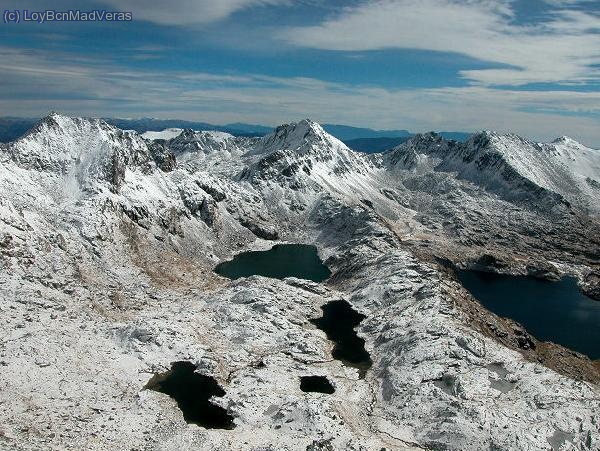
34 83
185 12
564 48
568 2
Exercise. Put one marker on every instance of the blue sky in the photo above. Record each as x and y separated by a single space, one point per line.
525 66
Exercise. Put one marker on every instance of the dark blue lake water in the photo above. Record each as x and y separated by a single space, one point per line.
192 392
316 384
282 260
339 321
550 311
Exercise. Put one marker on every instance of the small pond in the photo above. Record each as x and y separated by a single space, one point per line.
338 322
550 311
192 392
281 261
316 384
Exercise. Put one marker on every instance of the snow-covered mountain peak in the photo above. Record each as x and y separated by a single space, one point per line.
308 126
418 150
426 140
54 120
190 144
485 138
190 135
58 124
509 165
518 149
569 142
488 146
88 149
57 140
300 130
516 143
303 136
302 154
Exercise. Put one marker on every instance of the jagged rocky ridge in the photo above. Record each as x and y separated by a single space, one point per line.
108 241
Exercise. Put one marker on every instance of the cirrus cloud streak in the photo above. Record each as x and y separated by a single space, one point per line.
563 48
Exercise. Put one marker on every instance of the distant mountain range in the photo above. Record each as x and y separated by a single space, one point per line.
12 128
149 124
357 138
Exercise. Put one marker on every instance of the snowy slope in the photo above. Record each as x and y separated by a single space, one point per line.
564 167
190 144
513 167
304 156
84 150
581 168
165 134
57 142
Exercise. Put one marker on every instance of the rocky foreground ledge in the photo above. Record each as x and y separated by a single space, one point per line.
107 279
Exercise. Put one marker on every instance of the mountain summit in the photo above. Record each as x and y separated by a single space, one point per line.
88 149
302 137
511 166
302 153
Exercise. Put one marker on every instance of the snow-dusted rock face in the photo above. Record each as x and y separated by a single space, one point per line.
88 149
191 144
513 167
107 282
303 150
202 149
